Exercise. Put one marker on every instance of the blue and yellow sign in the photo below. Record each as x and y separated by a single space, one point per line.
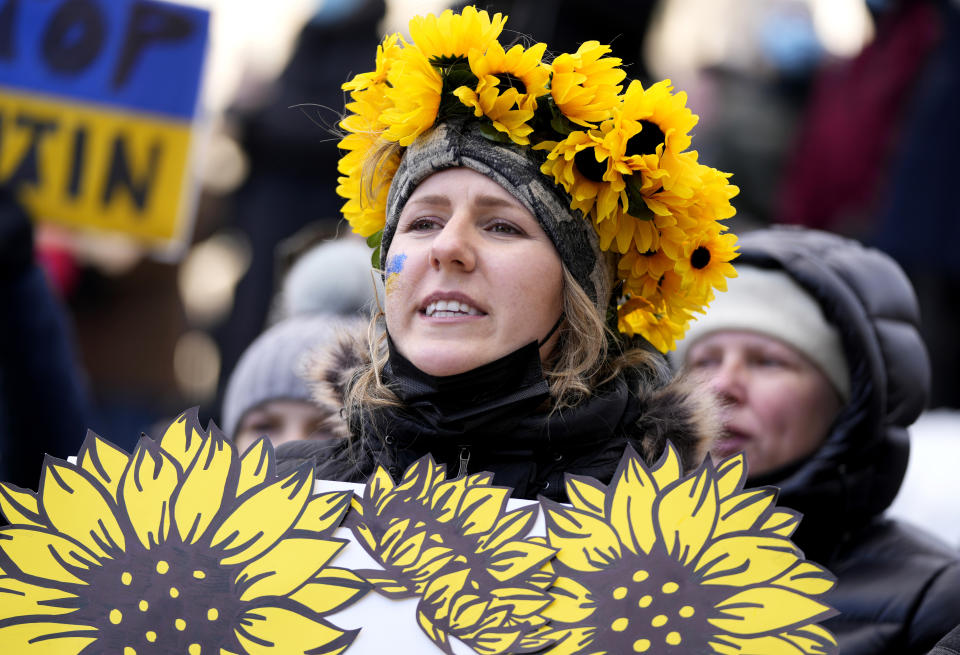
97 103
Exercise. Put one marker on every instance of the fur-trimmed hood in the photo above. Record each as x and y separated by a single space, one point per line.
530 453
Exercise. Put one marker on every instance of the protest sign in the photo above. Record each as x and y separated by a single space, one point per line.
98 107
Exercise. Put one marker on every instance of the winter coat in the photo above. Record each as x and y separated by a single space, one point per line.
949 645
898 588
496 422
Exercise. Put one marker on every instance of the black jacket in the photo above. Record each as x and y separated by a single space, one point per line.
492 419
898 588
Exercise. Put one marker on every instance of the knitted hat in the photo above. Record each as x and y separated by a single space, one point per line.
605 165
271 367
333 277
517 170
771 303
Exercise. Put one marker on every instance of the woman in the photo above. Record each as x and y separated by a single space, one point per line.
500 188
816 355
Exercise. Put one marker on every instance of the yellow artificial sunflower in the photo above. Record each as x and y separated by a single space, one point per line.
500 108
181 547
455 35
450 543
660 562
413 89
585 84
661 325
651 118
387 52
581 165
705 264
513 67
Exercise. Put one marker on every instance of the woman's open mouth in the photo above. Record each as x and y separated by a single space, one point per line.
450 309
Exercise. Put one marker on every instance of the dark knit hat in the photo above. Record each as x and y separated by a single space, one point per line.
516 169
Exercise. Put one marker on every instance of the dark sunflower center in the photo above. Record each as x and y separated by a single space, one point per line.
645 141
174 599
508 81
700 258
586 162
655 609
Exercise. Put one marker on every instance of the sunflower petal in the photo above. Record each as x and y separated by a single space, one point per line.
210 477
324 512
46 638
631 504
379 486
480 509
667 469
19 505
742 511
104 461
434 632
270 630
183 439
744 560
767 609
806 578
584 542
22 599
572 602
385 583
731 474
510 526
41 554
812 640
770 645
586 494
782 522
517 558
256 466
331 590
263 517
76 505
146 489
285 567
687 513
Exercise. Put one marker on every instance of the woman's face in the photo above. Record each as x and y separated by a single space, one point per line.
471 275
777 405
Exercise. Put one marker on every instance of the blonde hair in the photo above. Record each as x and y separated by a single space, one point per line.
580 363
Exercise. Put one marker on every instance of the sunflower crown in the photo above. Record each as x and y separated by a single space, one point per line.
619 150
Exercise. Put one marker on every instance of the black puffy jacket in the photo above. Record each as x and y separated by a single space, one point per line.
898 589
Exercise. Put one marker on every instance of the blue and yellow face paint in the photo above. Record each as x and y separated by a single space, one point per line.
394 267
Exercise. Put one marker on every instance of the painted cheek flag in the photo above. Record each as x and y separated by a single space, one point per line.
98 112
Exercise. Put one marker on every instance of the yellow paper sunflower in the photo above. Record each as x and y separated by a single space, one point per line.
452 544
585 84
659 562
181 547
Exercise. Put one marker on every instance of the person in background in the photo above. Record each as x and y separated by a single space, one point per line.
43 396
267 394
815 355
324 292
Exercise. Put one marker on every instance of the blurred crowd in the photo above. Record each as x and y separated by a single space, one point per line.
834 115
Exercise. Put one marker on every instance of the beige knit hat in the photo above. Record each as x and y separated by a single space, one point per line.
772 303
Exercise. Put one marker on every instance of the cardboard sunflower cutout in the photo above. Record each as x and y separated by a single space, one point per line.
660 562
181 547
184 546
